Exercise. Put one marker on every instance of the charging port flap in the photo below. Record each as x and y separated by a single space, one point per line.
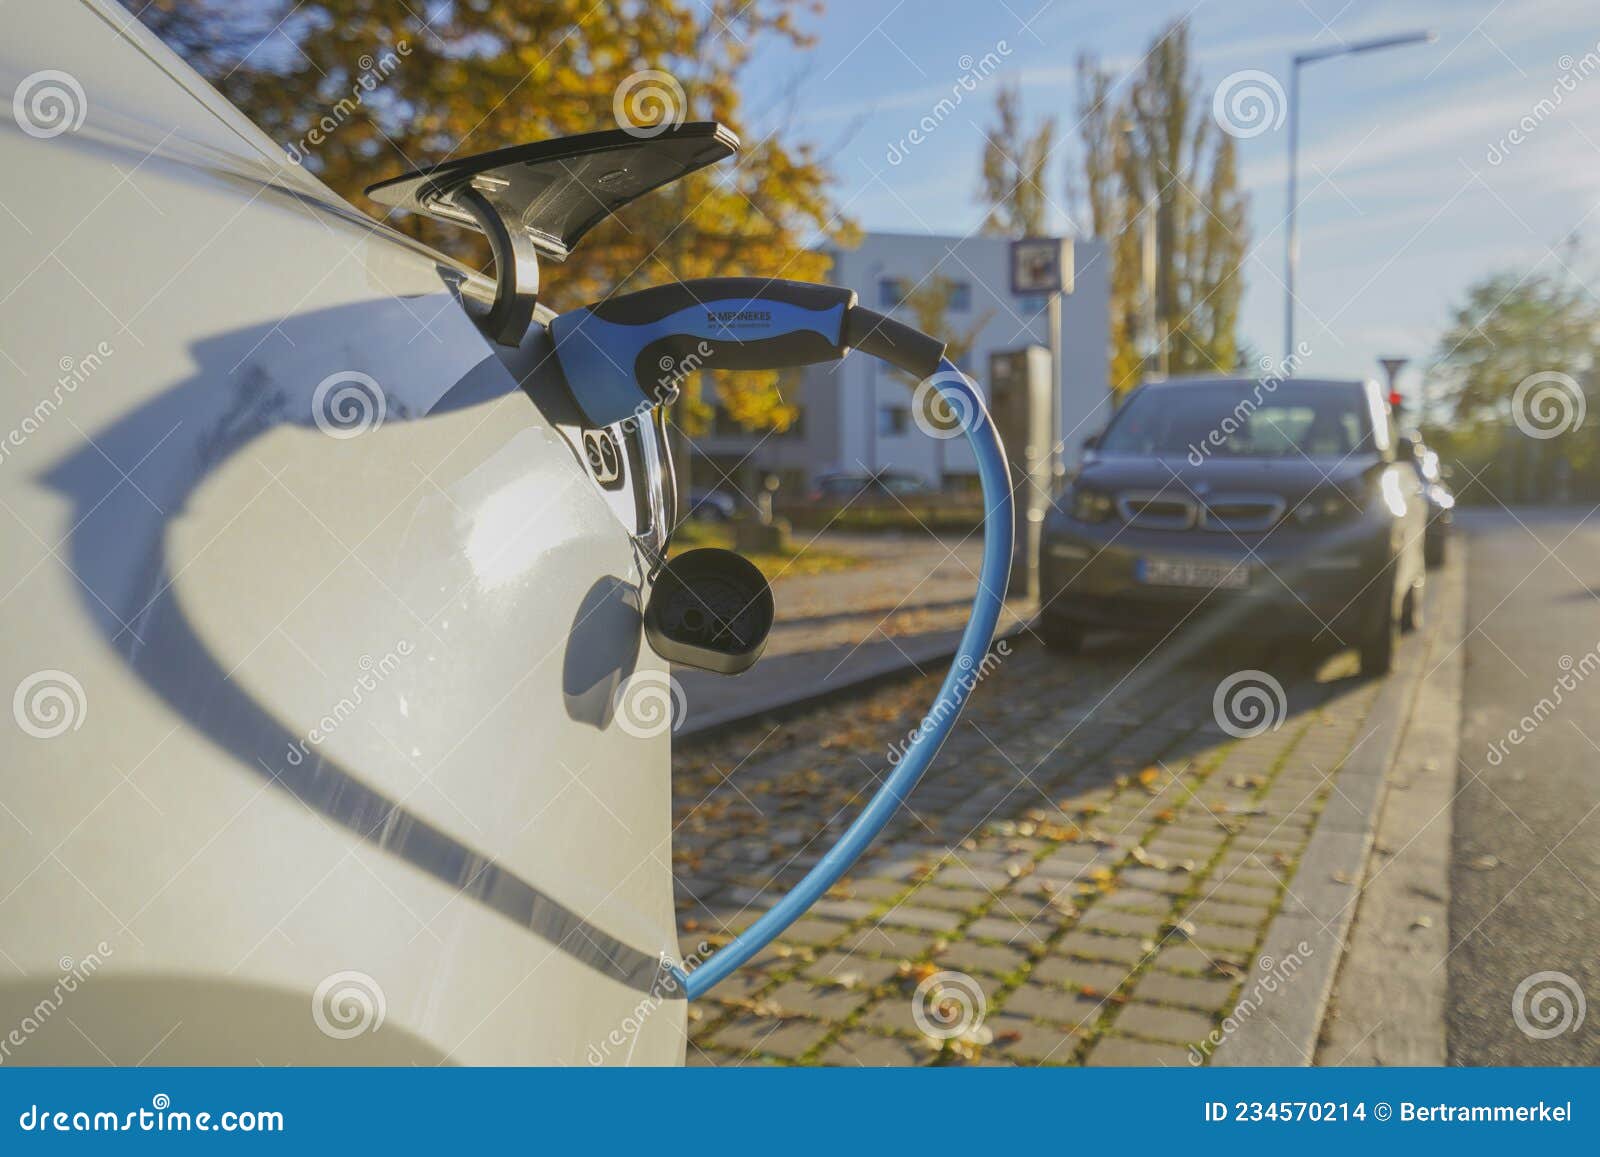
555 191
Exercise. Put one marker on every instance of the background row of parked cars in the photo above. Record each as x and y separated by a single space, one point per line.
1291 509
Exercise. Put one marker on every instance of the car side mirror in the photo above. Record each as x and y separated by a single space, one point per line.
1092 442
709 608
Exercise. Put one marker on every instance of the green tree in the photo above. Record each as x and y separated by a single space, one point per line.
1513 329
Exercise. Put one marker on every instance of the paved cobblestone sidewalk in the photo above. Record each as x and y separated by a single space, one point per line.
1083 878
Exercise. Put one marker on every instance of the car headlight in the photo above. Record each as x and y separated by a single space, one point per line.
1091 505
1329 506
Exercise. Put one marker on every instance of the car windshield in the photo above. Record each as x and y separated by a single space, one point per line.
1241 421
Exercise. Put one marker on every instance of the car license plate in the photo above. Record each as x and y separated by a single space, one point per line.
1180 572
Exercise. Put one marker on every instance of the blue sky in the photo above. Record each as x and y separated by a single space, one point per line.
1401 205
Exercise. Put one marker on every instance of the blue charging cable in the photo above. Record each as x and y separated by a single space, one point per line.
993 473
628 353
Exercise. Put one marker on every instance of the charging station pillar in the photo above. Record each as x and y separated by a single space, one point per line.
1020 397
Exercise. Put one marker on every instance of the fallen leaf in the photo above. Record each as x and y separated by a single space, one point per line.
1150 861
1063 906
1484 863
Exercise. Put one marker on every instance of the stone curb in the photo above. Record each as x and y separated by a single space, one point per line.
1314 923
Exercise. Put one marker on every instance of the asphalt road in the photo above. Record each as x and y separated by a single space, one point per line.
1525 874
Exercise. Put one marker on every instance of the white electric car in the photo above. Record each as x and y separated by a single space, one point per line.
320 615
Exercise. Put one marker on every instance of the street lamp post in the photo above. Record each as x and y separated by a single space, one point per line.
1292 250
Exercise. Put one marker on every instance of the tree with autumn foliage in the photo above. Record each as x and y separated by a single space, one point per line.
1161 183
1015 156
471 77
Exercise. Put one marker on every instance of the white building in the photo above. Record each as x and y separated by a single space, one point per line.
856 413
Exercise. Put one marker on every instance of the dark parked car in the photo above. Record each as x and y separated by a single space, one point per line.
1440 501
884 486
711 505
1277 506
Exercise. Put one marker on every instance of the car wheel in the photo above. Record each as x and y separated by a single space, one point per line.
1379 642
1060 636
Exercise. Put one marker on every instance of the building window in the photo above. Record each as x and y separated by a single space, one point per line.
892 291
960 297
893 420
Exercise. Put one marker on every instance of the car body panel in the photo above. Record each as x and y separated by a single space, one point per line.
342 698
